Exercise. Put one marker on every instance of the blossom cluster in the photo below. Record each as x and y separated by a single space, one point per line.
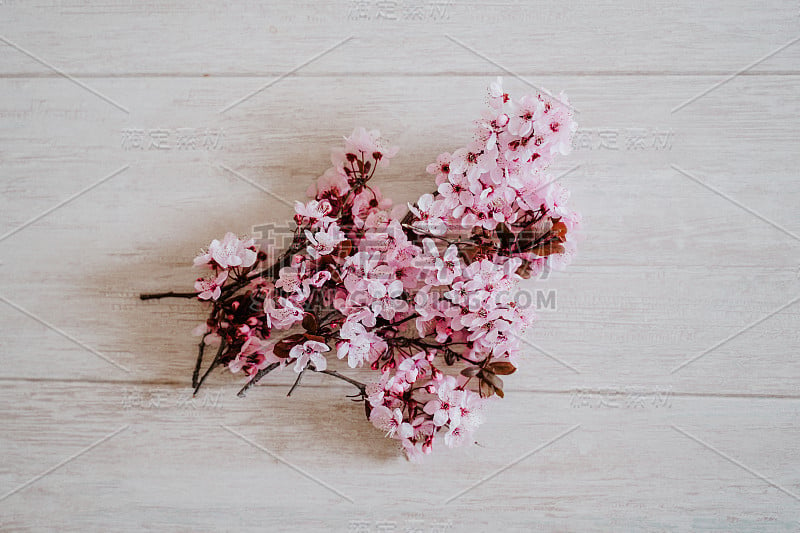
422 296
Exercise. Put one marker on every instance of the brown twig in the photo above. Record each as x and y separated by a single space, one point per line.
200 350
170 294
296 383
260 374
211 367
361 386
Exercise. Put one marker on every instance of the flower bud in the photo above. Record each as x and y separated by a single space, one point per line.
427 446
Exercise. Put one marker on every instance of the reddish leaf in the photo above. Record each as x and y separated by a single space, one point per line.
502 368
284 346
524 270
335 277
314 337
486 389
495 381
343 249
471 371
310 322
505 235
282 349
543 250
559 230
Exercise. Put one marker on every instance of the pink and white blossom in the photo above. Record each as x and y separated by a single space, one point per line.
424 300
310 351
391 422
229 252
324 241
429 214
210 289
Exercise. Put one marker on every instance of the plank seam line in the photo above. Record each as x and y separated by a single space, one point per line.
381 74
587 390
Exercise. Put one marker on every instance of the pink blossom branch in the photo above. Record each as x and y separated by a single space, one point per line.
355 276
271 271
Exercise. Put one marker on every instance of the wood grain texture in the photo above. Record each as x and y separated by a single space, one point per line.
112 180
244 38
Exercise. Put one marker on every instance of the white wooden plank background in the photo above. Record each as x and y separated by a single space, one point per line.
667 270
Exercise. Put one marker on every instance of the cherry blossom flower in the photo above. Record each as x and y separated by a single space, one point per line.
459 193
412 368
284 316
324 241
230 252
318 279
429 214
472 410
473 160
386 298
414 451
523 114
359 345
441 168
556 121
364 145
390 421
251 358
497 96
448 266
332 184
210 289
290 279
369 202
455 436
310 351
313 213
446 406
